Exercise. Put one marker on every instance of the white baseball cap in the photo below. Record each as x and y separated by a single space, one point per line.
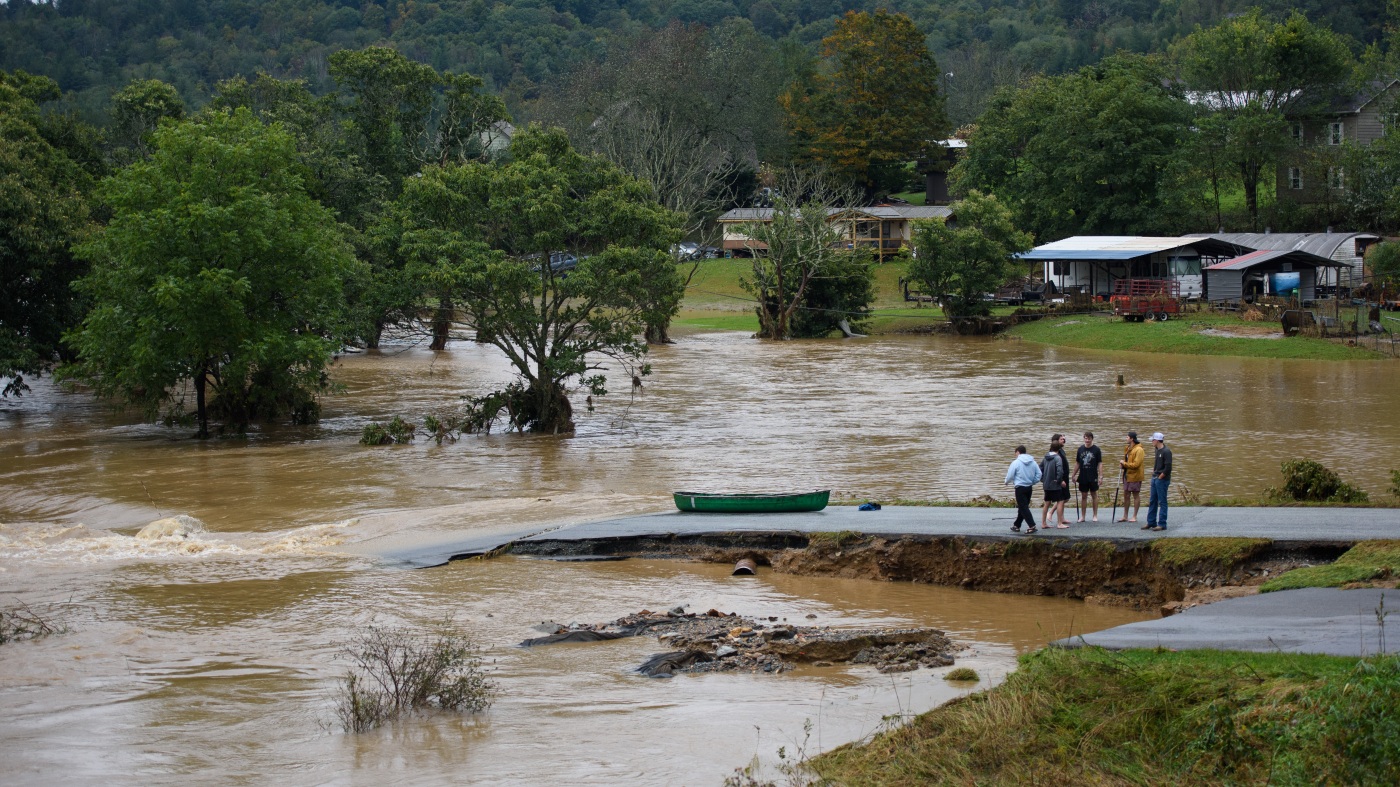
1158 437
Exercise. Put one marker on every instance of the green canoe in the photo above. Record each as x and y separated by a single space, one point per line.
710 502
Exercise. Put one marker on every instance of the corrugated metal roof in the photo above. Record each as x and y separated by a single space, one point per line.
880 212
1269 255
1105 247
1323 244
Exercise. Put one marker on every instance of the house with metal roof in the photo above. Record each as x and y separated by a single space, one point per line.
1276 272
882 229
1348 249
1092 263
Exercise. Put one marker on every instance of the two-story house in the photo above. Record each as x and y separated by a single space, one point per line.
1314 174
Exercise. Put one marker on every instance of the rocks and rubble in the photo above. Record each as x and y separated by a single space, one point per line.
727 642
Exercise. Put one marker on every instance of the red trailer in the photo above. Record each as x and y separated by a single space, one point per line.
1146 299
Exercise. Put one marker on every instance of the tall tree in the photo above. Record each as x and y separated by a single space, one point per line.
874 107
390 101
1251 72
44 211
1095 152
137 111
965 262
218 271
553 256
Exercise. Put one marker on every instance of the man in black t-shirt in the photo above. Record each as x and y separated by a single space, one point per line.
1088 472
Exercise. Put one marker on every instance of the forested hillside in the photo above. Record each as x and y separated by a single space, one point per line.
521 47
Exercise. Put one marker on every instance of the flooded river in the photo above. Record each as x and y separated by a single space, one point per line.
213 657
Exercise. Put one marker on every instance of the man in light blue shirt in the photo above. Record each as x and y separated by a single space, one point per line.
1023 473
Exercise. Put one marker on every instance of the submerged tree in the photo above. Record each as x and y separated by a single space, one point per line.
802 263
963 263
43 210
217 269
554 257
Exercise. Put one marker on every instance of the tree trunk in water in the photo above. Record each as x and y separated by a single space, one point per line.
442 324
658 334
372 341
201 411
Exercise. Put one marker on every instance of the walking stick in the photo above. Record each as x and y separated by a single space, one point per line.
1122 477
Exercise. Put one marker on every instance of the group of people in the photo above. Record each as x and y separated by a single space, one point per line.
1055 474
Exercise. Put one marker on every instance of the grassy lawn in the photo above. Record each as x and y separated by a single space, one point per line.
1184 336
716 301
1090 716
1364 562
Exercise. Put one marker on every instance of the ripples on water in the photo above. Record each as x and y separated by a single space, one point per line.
212 655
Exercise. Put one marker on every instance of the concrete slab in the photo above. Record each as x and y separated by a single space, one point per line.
1311 620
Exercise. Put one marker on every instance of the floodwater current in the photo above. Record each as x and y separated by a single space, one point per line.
213 657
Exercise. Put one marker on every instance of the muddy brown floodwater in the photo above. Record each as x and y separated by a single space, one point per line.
213 656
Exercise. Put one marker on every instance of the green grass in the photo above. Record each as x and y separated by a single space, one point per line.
912 197
1227 552
1090 716
1364 562
1183 336
717 301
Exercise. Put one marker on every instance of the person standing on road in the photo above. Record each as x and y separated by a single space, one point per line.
1054 472
1088 472
1132 477
1023 474
1161 479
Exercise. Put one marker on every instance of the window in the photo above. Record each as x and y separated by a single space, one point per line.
1334 178
1060 268
1335 134
1185 266
1297 130
1295 178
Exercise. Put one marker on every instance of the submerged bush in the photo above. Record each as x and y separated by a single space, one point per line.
965 674
1309 481
1395 482
396 671
21 622
396 431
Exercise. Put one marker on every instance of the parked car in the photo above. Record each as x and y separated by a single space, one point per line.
694 251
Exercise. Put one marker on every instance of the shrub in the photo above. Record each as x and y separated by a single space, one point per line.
1306 480
396 431
1395 483
396 671
962 674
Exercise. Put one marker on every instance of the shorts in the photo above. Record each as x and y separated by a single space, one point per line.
1132 486
1088 485
1056 495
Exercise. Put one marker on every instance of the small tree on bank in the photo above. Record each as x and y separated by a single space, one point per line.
217 269
556 258
959 265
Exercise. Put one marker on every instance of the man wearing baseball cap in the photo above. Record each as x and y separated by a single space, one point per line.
1161 479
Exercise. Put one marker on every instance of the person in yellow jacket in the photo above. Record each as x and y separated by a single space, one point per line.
1133 476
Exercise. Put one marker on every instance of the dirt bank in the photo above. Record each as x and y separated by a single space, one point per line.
1169 574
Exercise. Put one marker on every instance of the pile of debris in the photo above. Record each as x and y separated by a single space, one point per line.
726 642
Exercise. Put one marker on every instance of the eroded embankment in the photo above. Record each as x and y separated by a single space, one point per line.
1164 573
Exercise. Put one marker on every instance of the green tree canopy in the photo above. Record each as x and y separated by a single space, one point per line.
216 270
1250 72
44 210
959 265
875 107
137 110
555 257
1095 152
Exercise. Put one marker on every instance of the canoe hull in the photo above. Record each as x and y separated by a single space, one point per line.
706 502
